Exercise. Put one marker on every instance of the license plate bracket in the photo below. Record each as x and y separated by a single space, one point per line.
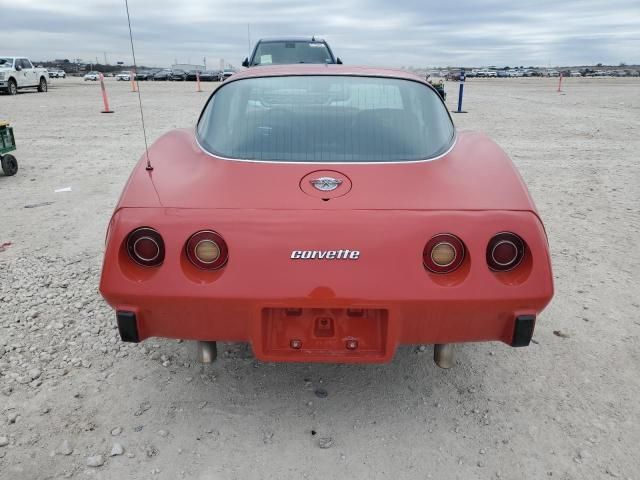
330 332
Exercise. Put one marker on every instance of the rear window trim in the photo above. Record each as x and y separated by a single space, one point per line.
451 145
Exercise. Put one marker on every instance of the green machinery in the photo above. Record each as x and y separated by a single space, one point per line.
7 144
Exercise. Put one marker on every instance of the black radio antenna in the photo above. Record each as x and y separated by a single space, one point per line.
135 72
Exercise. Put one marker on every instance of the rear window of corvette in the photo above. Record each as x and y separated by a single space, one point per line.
325 119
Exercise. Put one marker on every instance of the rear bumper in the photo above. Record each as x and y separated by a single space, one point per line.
373 343
249 298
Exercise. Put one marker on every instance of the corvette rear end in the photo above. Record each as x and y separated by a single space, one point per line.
327 214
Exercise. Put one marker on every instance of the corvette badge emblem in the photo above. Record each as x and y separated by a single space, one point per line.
325 255
326 184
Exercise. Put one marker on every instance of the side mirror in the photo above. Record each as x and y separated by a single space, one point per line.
338 61
245 62
18 67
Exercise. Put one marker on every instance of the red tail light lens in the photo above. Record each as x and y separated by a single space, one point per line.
207 250
444 253
146 247
505 252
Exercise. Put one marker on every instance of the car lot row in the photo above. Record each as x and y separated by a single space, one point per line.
167 75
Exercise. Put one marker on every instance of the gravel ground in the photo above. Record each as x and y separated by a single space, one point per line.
75 402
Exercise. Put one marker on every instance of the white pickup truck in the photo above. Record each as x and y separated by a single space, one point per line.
19 72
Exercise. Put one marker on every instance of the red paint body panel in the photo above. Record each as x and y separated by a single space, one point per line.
472 304
475 175
381 300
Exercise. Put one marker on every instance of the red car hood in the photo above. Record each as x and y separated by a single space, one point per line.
474 175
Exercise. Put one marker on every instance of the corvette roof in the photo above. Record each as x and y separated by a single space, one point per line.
322 69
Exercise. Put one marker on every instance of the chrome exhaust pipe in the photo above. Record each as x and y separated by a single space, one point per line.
443 355
207 352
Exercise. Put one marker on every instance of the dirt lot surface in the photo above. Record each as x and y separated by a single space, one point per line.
76 402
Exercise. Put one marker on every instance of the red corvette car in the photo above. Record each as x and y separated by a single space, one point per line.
326 213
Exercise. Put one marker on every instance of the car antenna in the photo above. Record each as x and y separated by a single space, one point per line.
135 71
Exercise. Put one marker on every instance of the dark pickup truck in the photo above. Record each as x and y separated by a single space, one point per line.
286 51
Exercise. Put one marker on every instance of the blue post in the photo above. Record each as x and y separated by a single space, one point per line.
460 93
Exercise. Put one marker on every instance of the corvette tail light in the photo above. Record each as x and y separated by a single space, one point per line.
145 247
443 253
505 251
207 250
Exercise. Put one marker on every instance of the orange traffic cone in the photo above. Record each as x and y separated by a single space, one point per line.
105 100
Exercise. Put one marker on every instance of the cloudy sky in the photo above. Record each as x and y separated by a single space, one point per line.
374 32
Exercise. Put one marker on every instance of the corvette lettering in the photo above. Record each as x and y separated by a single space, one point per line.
325 255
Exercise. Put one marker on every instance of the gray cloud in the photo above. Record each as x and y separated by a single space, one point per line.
375 32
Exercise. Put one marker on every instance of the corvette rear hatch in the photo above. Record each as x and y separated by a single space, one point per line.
474 175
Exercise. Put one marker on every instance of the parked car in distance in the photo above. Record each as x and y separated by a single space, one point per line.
226 73
178 75
192 75
283 51
123 76
17 73
162 75
91 76
370 244
210 76
486 73
144 75
54 73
